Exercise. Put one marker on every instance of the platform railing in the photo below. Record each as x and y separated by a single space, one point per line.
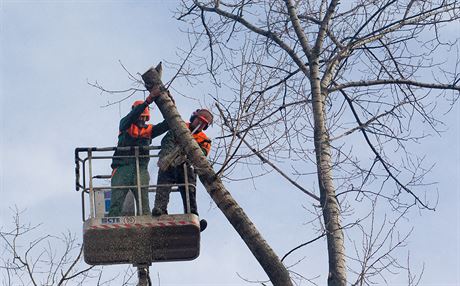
84 178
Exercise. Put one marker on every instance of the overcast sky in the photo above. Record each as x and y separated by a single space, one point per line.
50 50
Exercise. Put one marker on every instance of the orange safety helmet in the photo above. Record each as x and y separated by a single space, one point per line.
205 115
146 111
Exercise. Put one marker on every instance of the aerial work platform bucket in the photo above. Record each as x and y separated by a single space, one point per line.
135 239
141 239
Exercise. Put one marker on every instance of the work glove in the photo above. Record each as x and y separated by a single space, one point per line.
155 92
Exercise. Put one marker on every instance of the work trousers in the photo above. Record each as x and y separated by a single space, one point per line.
126 176
176 175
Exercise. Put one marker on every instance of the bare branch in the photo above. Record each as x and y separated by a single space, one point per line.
363 83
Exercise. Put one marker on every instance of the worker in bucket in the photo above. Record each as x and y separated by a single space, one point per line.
134 131
171 165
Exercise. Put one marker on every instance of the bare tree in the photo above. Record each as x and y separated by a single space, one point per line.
334 90
30 258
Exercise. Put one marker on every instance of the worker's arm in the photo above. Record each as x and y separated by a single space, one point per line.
132 116
160 128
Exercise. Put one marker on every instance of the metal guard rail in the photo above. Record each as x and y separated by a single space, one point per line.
91 189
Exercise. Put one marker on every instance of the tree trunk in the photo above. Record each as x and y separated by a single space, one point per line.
264 254
331 212
330 207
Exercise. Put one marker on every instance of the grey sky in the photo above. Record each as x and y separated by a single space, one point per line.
48 52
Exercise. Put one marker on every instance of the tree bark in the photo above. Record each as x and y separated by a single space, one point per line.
330 207
264 254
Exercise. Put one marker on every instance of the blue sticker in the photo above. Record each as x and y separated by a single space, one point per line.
107 206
